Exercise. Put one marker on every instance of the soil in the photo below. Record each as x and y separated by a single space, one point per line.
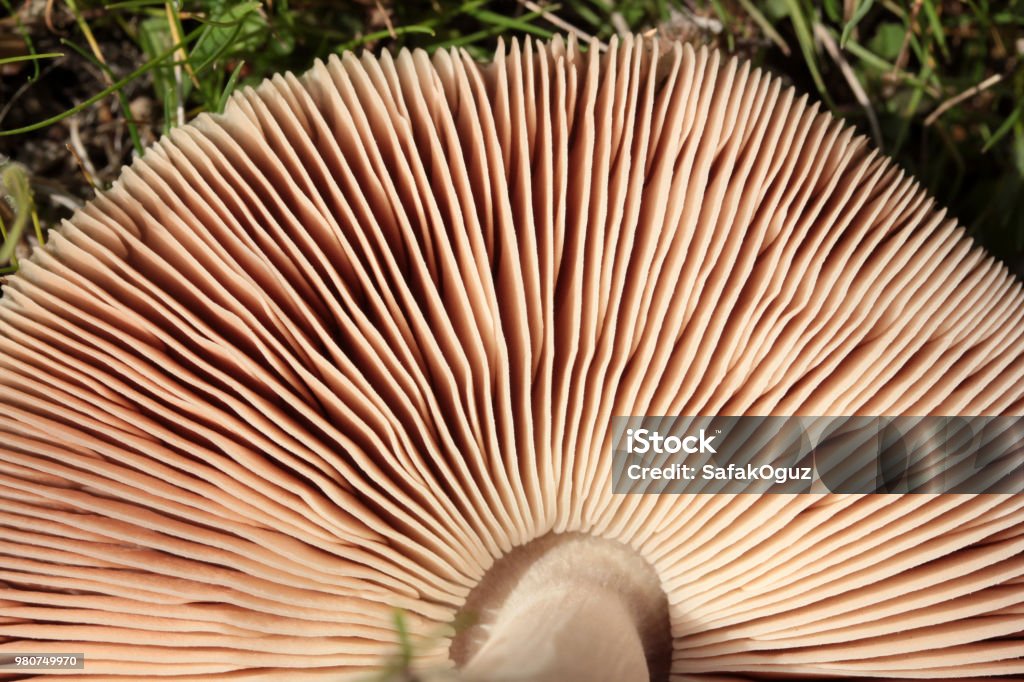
68 159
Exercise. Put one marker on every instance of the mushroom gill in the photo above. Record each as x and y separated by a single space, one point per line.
355 346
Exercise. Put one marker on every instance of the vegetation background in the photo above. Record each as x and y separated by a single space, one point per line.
85 86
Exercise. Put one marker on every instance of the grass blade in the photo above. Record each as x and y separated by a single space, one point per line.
765 26
1004 128
30 57
14 180
935 24
859 13
229 87
381 35
509 23
115 87
133 130
806 40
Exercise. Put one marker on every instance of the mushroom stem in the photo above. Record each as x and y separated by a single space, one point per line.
584 609
566 633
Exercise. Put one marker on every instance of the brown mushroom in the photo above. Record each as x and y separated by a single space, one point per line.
355 346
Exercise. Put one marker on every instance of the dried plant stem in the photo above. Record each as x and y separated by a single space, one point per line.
966 94
852 80
564 25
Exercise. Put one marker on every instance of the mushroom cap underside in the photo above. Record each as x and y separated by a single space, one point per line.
339 350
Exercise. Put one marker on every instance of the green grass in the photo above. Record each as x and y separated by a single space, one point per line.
937 84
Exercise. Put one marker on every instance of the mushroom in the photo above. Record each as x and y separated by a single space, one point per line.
356 344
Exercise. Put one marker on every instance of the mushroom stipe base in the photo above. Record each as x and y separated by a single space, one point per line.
566 607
